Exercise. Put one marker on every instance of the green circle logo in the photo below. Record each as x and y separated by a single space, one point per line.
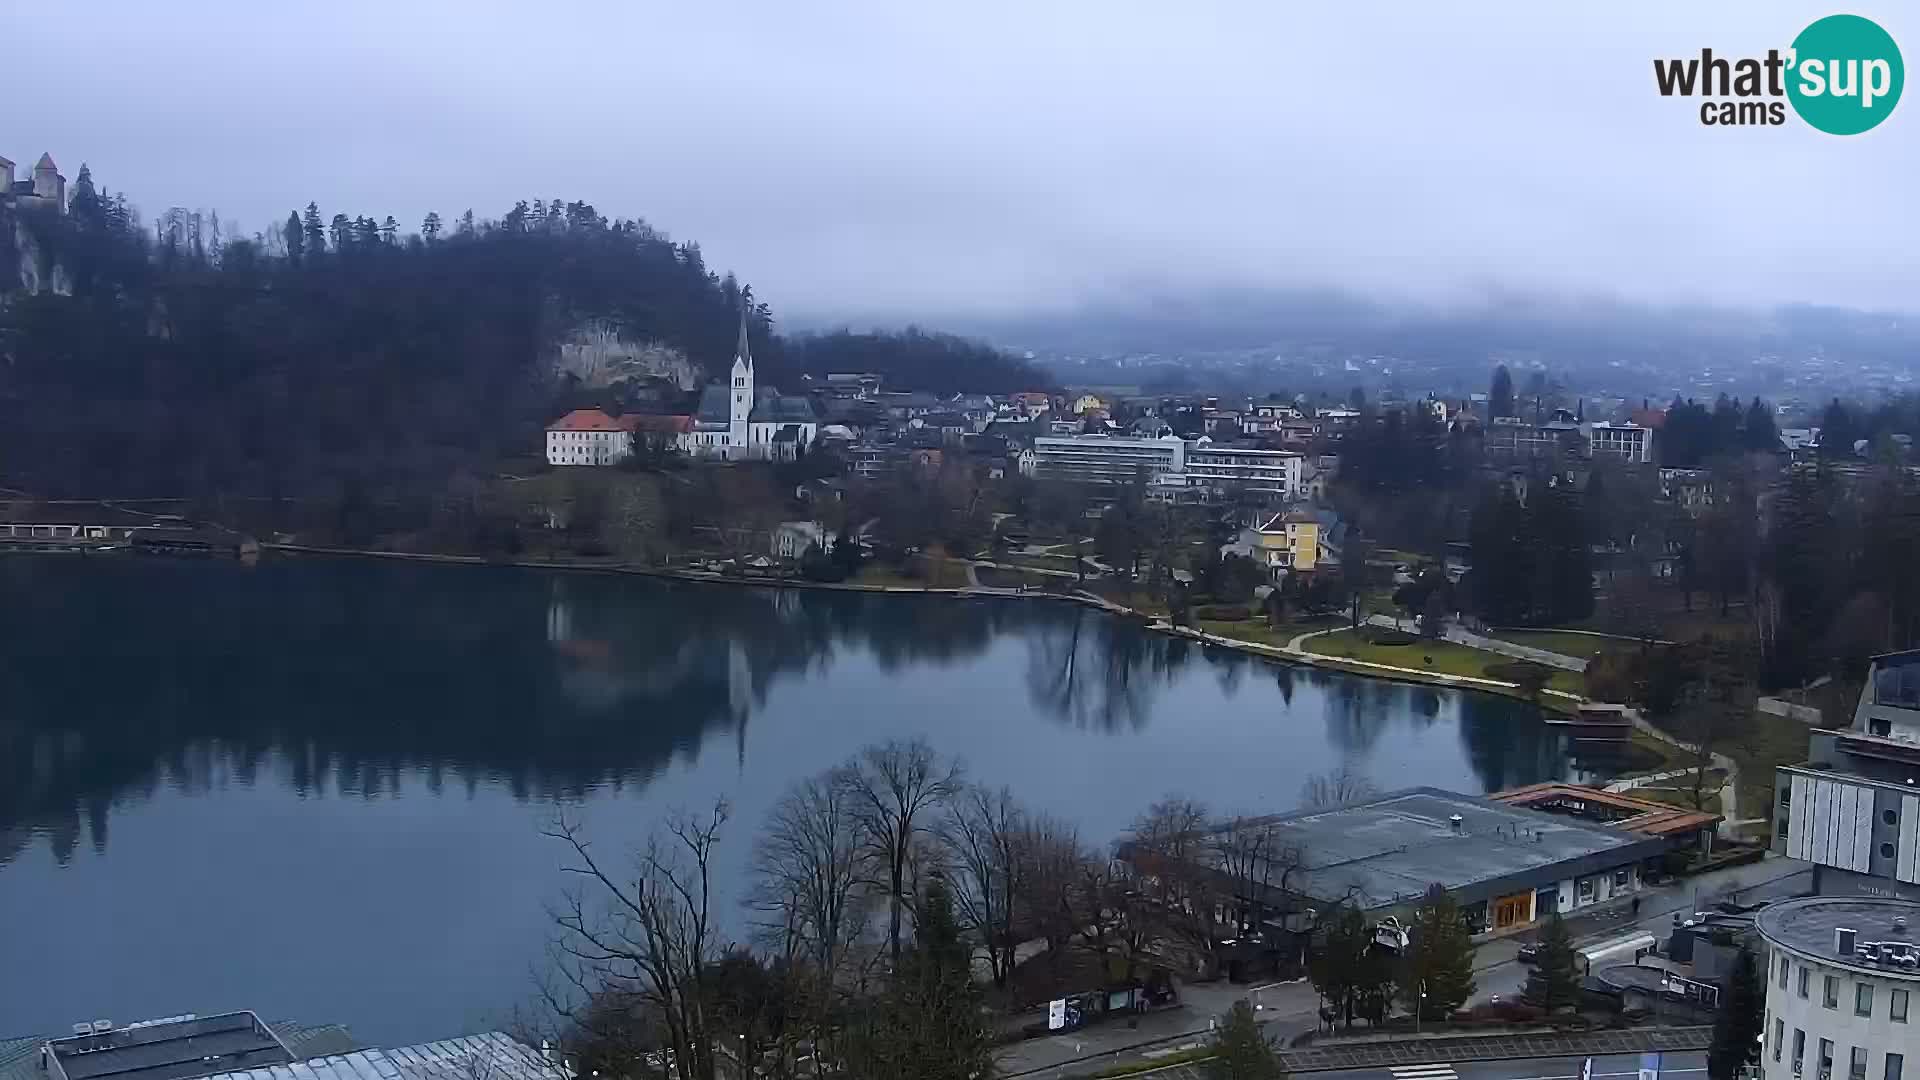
1846 74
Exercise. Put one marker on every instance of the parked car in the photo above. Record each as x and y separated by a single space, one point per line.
1528 954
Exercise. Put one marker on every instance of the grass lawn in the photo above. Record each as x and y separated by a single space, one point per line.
1039 562
1584 646
1438 656
1256 630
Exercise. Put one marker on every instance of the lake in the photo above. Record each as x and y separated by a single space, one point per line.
316 788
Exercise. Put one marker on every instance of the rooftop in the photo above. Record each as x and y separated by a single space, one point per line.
1618 809
586 420
1389 849
1807 926
169 1049
491 1056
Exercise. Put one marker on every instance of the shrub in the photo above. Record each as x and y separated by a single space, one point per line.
1382 636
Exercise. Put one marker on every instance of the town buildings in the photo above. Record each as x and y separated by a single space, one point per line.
1226 470
1853 807
739 421
1292 541
1504 865
240 1046
589 437
1101 459
1680 828
1842 975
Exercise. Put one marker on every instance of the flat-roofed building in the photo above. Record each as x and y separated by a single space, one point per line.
1842 975
1226 470
1105 459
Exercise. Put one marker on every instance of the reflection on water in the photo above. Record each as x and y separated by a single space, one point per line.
339 768
118 678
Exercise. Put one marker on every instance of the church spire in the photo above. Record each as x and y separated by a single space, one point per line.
741 351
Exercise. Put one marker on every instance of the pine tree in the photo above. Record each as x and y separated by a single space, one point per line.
1240 1052
1500 399
1439 960
295 236
928 1024
1554 981
1760 434
1740 1022
1353 975
316 232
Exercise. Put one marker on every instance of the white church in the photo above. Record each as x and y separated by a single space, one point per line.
741 422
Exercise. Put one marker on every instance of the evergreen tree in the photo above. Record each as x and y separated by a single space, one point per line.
389 230
1838 431
1500 399
466 224
1738 1026
430 226
316 232
1240 1052
1760 434
1554 981
928 1024
294 235
85 206
1439 960
1502 560
1354 976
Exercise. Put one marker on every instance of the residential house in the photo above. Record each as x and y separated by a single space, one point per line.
793 539
1087 403
1030 404
1302 541
588 437
1628 442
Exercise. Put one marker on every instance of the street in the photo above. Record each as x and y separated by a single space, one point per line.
1289 1009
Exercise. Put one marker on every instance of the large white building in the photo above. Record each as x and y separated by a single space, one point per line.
1103 459
1630 442
1841 978
1853 807
588 437
741 422
1222 470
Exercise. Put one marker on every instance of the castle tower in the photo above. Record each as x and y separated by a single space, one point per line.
6 177
740 408
48 184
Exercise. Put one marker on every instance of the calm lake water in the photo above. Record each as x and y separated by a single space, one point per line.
315 789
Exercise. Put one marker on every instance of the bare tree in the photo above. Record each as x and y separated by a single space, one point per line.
982 834
1260 867
897 787
1344 785
1170 849
808 877
1054 870
647 944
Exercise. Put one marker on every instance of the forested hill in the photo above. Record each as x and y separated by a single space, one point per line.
342 351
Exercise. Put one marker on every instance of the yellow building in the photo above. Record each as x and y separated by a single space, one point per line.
1297 540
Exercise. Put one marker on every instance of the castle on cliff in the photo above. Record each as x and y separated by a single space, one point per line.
47 188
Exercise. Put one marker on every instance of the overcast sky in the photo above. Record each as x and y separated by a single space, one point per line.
898 159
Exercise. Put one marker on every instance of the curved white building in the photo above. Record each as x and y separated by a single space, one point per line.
1843 975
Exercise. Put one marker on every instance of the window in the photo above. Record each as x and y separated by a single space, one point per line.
1857 1066
1784 965
1825 1061
1779 1037
1890 816
1620 878
1863 999
1799 1049
1805 975
1585 888
1786 795
1781 830
1886 850
1897 1007
1894 1061
1830 991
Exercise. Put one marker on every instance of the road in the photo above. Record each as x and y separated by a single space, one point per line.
1289 1009
1690 1066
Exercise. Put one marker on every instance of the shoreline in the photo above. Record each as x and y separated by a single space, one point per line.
1550 700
